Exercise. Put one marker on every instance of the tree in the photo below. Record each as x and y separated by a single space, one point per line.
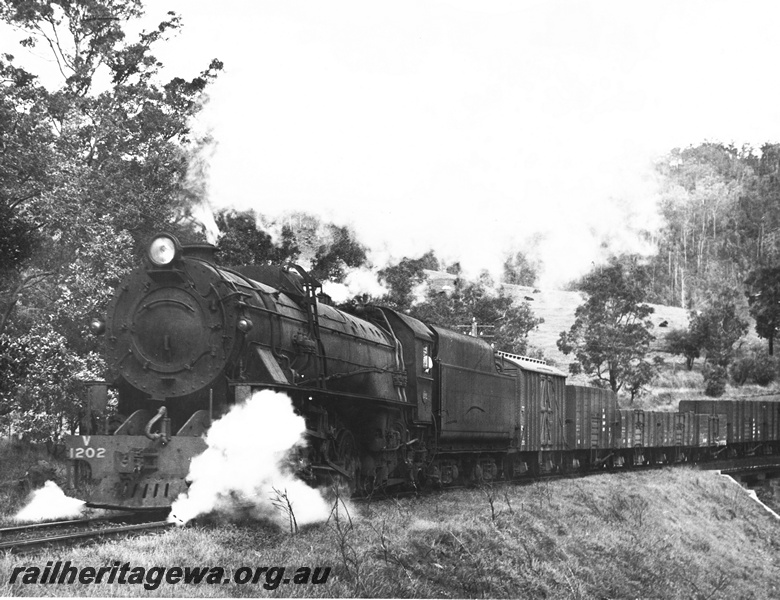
611 335
502 321
513 322
85 151
338 252
519 270
403 278
90 166
686 343
242 243
721 211
719 326
709 194
331 250
763 294
46 380
26 161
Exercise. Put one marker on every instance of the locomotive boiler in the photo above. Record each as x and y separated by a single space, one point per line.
388 400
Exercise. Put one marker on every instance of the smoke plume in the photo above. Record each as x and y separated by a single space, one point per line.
242 470
49 503
357 282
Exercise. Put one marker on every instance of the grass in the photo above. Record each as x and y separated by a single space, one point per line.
672 533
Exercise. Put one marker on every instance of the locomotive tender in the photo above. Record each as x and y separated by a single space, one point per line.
388 400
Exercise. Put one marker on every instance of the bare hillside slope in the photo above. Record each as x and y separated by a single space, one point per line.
557 308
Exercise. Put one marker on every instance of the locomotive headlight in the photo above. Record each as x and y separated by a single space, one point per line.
245 324
163 249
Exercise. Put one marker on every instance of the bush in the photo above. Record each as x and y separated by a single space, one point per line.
765 369
714 380
742 369
761 369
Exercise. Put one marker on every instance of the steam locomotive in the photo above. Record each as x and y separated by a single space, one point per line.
388 400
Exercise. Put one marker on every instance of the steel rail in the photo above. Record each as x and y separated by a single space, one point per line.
66 523
29 544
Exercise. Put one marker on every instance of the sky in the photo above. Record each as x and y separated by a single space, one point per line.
473 128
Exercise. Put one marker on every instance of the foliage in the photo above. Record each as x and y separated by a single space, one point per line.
761 369
339 252
46 395
715 329
26 160
498 317
403 278
243 243
115 151
520 270
610 337
90 166
714 380
686 343
719 327
702 187
721 220
641 373
502 321
742 369
763 293
330 250
765 370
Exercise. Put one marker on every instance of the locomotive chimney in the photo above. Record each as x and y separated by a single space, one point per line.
200 251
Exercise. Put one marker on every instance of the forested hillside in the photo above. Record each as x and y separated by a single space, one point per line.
721 219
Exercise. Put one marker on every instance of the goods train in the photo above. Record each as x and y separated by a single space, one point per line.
388 400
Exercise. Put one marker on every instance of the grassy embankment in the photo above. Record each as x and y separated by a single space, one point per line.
672 533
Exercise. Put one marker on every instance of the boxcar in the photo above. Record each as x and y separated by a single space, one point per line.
593 426
751 426
541 402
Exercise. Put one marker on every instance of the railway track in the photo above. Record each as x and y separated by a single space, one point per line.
22 539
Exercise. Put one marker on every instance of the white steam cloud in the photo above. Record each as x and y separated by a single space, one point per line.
243 467
357 282
49 503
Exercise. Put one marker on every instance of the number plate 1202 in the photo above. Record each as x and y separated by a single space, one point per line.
87 452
